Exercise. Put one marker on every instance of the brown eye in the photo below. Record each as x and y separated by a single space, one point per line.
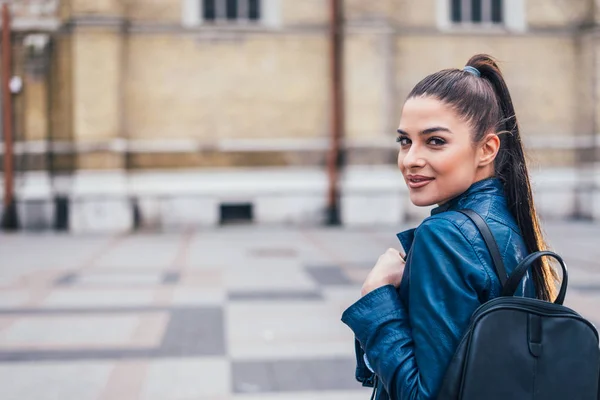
436 141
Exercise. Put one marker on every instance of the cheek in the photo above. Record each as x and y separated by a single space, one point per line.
400 160
456 160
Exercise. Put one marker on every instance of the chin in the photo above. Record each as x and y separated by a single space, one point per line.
422 201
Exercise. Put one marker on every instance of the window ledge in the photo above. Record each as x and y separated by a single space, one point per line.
230 27
483 28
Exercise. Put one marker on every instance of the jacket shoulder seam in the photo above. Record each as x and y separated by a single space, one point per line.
486 273
507 243
512 228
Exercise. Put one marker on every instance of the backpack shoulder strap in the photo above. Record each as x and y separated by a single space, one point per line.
490 242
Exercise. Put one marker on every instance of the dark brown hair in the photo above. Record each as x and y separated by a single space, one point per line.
484 101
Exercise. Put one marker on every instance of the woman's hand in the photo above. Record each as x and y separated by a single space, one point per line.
387 271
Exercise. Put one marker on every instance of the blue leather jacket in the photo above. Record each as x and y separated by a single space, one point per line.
410 334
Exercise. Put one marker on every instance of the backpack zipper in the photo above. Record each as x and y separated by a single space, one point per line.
531 305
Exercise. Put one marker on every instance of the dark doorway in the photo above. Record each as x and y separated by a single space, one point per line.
61 215
236 213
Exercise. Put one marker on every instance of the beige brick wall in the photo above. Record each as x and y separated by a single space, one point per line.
253 87
65 9
229 85
306 12
420 13
585 86
539 70
61 88
293 12
97 7
19 106
557 13
36 109
164 11
369 10
96 84
100 160
594 82
365 85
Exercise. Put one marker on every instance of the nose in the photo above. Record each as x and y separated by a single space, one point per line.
411 159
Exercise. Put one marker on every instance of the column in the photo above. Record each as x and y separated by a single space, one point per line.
34 194
99 197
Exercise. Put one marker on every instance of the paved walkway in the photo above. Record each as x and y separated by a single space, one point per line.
232 313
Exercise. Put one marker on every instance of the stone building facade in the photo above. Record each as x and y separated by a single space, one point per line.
163 113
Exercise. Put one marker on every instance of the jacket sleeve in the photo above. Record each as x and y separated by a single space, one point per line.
410 347
363 374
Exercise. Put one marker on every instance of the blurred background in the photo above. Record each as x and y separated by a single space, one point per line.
153 114
194 190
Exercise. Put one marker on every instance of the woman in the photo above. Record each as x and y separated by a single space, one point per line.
460 148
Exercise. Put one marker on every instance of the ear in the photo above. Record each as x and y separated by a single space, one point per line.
489 148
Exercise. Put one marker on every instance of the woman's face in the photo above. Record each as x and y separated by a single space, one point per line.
437 156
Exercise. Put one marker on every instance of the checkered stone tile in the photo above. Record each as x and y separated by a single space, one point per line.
294 375
329 276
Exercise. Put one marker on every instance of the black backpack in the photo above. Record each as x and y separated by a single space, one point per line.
523 348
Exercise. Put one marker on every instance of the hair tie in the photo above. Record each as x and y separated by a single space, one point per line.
472 70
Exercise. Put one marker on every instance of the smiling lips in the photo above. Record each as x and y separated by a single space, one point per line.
417 181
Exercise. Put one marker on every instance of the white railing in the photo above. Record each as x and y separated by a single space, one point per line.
33 14
33 8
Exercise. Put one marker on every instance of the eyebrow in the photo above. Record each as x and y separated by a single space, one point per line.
428 130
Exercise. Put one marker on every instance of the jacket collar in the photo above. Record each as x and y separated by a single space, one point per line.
406 239
490 186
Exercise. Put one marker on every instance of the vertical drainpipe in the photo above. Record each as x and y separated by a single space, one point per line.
9 216
337 109
595 158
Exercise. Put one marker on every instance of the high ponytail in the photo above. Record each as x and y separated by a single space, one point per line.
511 169
484 100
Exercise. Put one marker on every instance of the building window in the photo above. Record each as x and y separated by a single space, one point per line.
230 10
476 12
226 14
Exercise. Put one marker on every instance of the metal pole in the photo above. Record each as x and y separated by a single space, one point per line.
9 217
337 109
